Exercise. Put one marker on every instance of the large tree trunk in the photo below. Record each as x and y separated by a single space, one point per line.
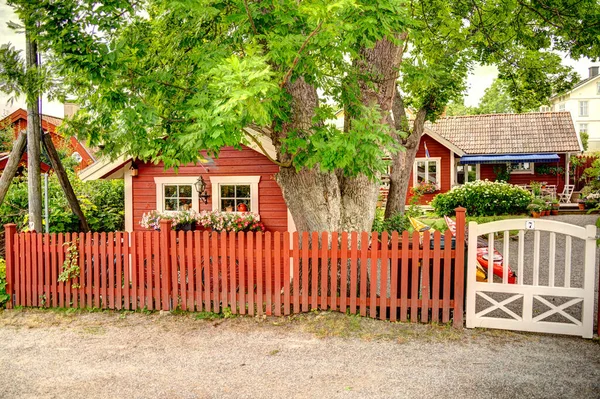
64 182
33 143
12 165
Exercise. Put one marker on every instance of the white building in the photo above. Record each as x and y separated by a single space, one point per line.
583 102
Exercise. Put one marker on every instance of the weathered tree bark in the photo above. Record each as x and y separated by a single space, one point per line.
12 164
402 165
64 182
34 185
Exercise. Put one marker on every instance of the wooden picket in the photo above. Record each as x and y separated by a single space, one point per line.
388 276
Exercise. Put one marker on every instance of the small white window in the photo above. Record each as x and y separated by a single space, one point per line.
522 167
583 128
234 193
561 106
426 170
176 193
583 108
177 197
598 88
77 156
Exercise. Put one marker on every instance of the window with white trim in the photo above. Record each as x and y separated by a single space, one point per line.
583 108
177 197
229 192
583 128
176 193
426 170
598 88
522 167
561 107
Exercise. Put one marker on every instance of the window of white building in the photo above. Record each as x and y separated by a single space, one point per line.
583 108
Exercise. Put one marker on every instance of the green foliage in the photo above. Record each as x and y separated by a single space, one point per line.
483 198
101 201
546 169
585 138
4 296
502 172
398 222
70 266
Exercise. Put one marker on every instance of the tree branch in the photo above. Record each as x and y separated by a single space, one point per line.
289 72
250 17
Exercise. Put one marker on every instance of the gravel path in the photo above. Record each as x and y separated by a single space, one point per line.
47 354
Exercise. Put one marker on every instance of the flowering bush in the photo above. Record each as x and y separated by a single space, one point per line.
230 221
215 220
424 188
483 198
182 217
151 220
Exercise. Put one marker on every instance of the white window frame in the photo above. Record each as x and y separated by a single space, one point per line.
171 181
529 171
598 88
477 171
217 181
583 128
562 107
438 170
587 110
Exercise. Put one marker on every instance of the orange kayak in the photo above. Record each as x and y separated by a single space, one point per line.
498 265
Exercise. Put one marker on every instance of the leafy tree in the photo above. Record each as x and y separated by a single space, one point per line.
458 108
163 80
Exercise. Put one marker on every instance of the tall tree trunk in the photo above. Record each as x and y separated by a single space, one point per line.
33 141
12 165
402 166
64 182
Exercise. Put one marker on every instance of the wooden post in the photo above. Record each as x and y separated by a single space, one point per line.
459 267
165 264
12 165
9 240
64 182
34 128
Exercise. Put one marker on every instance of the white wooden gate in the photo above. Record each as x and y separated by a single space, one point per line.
498 304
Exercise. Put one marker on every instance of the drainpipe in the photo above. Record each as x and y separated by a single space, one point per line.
46 202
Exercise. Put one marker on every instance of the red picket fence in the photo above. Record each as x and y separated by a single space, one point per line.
392 277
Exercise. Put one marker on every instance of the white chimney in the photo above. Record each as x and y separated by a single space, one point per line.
593 71
70 109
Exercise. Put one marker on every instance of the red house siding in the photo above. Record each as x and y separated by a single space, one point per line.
436 150
231 162
487 172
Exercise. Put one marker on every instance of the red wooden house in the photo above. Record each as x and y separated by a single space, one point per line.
18 122
536 146
452 151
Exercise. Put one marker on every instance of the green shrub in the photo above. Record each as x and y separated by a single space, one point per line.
483 198
398 222
4 297
102 202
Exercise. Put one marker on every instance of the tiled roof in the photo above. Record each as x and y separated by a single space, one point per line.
510 133
52 120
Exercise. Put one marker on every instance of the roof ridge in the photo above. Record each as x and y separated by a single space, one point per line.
503 114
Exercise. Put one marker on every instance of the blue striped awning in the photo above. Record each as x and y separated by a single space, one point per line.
508 158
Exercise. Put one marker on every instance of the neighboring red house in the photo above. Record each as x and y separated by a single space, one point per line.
18 121
452 151
537 146
235 176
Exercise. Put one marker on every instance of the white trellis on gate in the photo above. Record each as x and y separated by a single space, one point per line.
526 319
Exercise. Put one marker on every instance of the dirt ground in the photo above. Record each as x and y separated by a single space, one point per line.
61 354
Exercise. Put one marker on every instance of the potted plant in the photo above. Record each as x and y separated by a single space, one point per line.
581 204
536 188
554 207
535 209
185 220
